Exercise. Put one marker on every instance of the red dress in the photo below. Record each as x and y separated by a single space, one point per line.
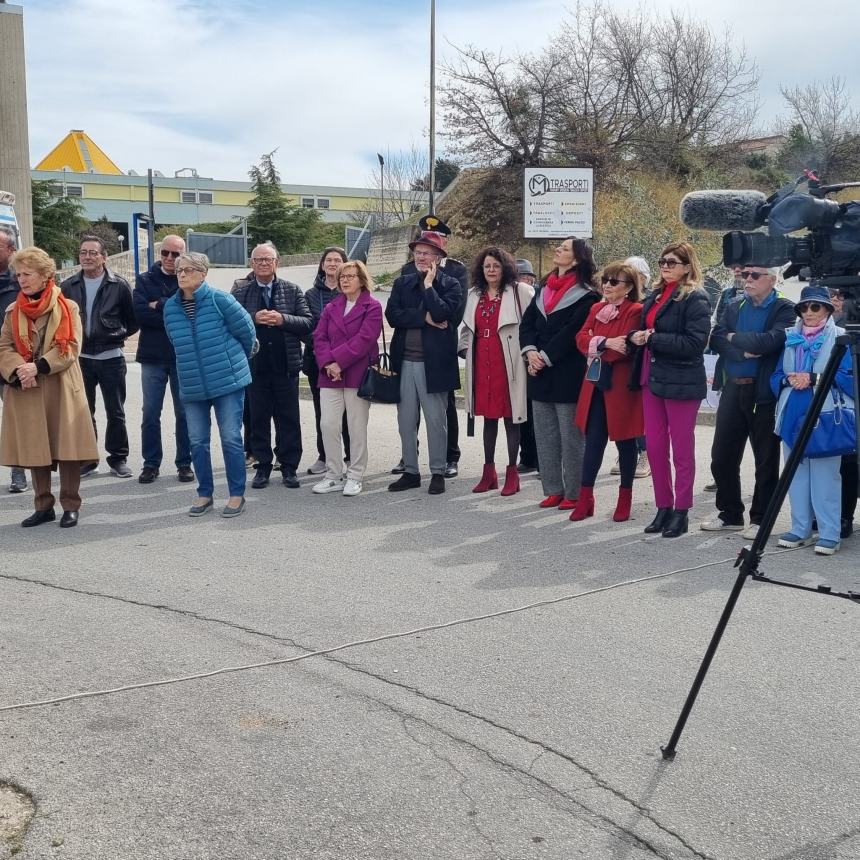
492 396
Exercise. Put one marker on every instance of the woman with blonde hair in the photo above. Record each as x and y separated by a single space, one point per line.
46 418
669 366
346 344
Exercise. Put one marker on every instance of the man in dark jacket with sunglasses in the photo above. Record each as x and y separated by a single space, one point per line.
158 362
749 340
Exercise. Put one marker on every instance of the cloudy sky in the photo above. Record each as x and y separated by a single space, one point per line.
213 84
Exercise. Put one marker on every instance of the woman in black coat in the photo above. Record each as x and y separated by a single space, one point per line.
670 368
556 368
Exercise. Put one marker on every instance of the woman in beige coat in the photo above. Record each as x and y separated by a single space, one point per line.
46 419
495 371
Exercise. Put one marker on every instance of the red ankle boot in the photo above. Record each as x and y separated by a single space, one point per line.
584 504
567 504
512 481
550 502
622 509
489 479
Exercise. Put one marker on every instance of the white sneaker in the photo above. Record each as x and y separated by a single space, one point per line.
318 468
643 467
750 532
328 486
717 525
351 487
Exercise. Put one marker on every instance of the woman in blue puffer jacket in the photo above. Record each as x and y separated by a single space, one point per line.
815 490
213 337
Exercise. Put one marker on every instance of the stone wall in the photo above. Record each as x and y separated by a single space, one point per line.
389 249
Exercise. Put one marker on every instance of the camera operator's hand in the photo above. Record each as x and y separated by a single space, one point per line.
799 381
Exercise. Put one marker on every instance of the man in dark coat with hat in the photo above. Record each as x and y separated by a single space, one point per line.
424 310
456 269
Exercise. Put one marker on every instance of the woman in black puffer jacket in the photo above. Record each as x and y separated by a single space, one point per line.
318 296
669 366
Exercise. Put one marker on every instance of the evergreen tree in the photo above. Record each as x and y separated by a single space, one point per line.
56 223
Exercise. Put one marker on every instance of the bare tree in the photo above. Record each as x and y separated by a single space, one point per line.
823 128
402 179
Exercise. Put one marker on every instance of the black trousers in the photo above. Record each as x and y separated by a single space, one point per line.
596 437
275 397
108 376
740 418
849 475
528 448
315 394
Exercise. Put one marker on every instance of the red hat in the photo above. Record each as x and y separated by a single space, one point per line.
428 237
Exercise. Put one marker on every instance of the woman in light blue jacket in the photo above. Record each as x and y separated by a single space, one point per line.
213 337
815 491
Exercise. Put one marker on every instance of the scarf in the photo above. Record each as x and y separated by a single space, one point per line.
607 313
59 330
807 341
556 286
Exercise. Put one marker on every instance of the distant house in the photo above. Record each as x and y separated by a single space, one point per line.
762 145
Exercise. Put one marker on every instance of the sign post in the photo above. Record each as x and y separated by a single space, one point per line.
558 202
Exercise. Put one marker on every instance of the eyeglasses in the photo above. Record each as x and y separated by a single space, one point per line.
753 275
173 254
348 277
613 282
85 252
664 263
262 259
185 270
815 307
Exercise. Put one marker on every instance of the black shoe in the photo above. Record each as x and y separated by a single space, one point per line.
677 525
185 474
399 469
451 470
69 519
147 475
659 522
847 529
405 482
290 478
437 485
525 468
261 479
39 517
89 469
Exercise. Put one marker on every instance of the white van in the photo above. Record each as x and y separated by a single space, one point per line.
7 214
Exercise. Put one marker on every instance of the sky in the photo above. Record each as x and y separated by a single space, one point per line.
212 85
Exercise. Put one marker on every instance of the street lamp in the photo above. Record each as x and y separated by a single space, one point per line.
120 239
381 189
431 201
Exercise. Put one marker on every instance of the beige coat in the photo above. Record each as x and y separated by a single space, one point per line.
51 422
509 333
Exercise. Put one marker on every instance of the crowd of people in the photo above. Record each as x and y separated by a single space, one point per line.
586 356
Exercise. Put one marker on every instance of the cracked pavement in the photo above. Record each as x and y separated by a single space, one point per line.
534 735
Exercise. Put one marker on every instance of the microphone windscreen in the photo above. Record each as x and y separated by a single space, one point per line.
723 210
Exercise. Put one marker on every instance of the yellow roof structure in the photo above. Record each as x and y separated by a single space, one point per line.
79 153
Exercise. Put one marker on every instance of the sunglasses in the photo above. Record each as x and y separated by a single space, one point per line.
663 263
173 254
613 282
753 275
815 307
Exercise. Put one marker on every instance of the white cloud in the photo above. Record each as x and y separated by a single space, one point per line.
213 85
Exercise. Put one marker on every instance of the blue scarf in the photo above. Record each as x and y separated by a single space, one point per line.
806 350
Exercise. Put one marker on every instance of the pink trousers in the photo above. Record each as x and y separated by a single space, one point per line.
671 425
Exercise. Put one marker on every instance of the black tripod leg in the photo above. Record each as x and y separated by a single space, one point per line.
749 558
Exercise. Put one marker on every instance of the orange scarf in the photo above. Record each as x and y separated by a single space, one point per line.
59 330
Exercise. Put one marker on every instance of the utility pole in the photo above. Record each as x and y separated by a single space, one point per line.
432 205
381 189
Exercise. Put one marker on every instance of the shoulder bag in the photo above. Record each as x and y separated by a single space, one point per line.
380 384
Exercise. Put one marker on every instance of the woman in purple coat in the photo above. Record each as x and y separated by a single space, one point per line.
346 343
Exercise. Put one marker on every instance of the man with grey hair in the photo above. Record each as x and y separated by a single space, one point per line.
157 362
748 340
8 294
282 320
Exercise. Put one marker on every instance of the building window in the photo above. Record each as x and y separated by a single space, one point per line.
307 202
322 203
58 189
205 197
188 196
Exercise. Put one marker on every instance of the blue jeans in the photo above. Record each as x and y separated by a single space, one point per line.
155 379
228 413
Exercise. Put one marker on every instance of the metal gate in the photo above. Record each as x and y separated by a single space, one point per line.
222 249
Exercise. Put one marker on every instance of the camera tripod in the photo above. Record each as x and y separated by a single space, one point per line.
750 556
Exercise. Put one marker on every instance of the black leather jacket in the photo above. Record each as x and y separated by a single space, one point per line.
113 311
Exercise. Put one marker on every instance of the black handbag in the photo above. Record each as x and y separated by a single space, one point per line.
600 373
380 384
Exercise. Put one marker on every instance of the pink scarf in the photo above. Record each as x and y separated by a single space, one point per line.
606 314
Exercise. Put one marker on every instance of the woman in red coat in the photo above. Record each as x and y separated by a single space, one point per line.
607 408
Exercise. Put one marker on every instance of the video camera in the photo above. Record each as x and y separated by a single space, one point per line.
828 254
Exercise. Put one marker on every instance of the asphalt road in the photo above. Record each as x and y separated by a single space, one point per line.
532 735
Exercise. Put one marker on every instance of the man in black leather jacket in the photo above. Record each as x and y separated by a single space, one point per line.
107 318
282 320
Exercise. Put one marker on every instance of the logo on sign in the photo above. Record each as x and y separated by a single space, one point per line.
538 185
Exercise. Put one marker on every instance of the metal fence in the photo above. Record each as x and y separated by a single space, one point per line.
222 249
120 264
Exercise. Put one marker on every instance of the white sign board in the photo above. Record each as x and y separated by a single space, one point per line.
558 202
